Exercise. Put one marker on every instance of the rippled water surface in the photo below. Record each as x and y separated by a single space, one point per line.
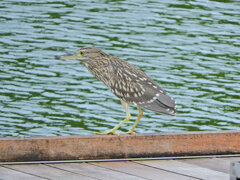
191 48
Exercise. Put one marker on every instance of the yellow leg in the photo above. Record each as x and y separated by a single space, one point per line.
128 116
131 131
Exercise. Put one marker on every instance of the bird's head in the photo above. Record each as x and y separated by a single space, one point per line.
85 55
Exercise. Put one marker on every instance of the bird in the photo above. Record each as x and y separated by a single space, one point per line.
127 82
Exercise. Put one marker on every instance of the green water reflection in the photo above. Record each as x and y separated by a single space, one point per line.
191 48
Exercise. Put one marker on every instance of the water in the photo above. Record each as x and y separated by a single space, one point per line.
191 48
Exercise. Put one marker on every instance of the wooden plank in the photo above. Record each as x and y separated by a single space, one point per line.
124 146
9 174
95 171
141 170
230 159
48 172
217 164
187 169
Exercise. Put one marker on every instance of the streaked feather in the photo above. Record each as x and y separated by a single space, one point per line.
138 88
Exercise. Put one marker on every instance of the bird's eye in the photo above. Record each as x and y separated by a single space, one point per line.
82 53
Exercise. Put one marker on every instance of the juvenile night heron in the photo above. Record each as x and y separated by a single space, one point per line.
127 82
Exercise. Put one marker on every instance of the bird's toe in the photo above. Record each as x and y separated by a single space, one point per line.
131 132
107 133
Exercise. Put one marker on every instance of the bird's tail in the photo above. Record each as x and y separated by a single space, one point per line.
164 104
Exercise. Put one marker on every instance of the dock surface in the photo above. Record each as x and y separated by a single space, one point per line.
119 147
209 168
186 155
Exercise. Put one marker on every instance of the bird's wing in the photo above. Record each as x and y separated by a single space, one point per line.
133 86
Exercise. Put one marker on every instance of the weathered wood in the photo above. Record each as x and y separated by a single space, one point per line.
95 171
217 164
6 173
48 172
186 169
141 170
124 146
151 169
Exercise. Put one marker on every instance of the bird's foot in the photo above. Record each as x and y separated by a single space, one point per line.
131 132
111 132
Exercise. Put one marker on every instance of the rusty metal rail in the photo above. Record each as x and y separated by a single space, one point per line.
124 146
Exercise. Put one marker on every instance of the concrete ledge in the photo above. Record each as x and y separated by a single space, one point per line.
124 146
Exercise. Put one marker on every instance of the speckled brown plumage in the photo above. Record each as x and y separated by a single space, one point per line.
126 81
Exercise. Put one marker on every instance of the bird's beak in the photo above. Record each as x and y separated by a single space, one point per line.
67 57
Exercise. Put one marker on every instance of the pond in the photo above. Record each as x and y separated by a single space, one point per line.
190 48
